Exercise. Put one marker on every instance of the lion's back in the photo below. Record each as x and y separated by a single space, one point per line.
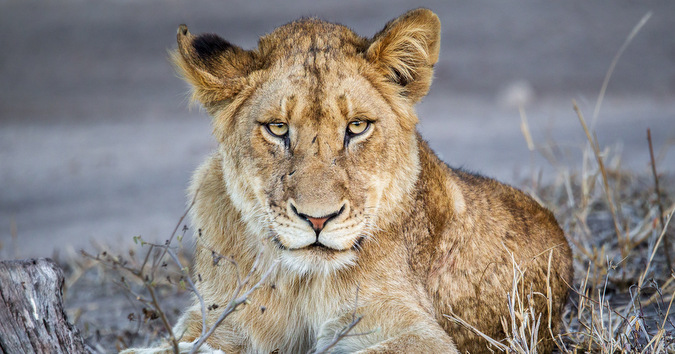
503 238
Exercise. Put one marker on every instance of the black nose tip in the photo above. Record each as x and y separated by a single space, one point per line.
317 223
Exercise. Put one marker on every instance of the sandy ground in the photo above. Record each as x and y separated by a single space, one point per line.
97 143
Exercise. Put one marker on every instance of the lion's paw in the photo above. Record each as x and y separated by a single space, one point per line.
183 348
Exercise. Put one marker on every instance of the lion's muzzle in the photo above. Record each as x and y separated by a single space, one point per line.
317 223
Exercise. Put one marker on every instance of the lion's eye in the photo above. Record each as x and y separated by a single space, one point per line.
357 127
277 129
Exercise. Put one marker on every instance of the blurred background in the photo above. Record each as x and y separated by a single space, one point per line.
97 143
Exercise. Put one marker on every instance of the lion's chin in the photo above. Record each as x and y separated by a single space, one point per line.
317 259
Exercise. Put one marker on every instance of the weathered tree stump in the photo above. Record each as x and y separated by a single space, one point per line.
32 319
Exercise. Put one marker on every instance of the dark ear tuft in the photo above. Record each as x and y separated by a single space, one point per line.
215 68
208 46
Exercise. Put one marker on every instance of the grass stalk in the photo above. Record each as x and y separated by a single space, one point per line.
666 241
593 141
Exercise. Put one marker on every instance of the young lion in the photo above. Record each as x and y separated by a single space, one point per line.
321 176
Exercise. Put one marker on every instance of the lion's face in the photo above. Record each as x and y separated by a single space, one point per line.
318 143
323 156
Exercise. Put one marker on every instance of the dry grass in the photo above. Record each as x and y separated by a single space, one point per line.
115 308
618 224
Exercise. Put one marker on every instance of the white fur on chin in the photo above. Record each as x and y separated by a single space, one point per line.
305 262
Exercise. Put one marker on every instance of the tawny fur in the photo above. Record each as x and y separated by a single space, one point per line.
415 238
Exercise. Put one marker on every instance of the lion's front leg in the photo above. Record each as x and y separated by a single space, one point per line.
415 342
183 348
384 330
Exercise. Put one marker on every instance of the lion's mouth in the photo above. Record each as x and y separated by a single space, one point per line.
319 247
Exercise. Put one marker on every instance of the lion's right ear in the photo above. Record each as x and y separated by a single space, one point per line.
215 68
406 50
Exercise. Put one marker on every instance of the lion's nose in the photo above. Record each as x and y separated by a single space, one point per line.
318 223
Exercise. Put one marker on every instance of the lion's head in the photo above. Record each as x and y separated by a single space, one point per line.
316 129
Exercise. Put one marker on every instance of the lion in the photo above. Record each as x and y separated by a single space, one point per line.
322 183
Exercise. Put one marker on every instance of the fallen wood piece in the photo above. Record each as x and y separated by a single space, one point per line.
32 319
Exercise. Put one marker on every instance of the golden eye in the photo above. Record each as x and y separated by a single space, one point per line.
277 129
358 127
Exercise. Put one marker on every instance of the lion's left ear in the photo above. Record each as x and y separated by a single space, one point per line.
215 68
406 50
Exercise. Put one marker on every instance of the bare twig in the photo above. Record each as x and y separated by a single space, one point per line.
148 277
341 334
165 321
149 284
344 332
236 300
180 221
192 286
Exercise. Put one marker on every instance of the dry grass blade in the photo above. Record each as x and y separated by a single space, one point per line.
666 241
615 60
454 318
525 129
656 246
670 304
605 180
